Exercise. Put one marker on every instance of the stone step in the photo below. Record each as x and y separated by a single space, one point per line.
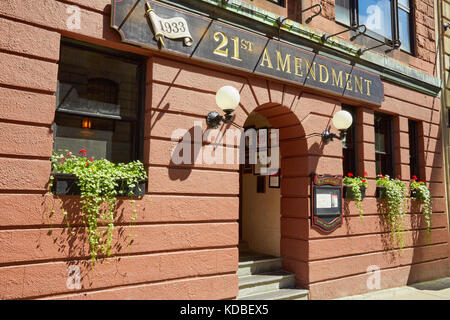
280 294
261 264
264 282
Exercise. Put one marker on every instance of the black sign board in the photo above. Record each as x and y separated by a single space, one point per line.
158 26
327 202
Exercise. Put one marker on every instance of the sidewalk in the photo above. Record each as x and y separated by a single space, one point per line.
430 290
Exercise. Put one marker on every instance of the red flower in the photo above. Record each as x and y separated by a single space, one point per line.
69 154
364 181
365 173
87 163
350 174
83 151
62 162
414 177
91 159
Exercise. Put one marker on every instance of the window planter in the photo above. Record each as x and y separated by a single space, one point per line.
67 184
380 193
348 192
417 194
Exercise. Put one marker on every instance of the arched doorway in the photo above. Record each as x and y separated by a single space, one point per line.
260 203
262 208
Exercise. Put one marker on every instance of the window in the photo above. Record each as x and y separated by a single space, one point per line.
413 149
383 145
99 99
350 162
390 19
279 2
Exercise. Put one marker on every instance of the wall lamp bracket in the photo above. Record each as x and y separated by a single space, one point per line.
227 99
356 28
327 136
282 19
392 44
214 119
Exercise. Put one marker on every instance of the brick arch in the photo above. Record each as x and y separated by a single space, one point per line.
294 197
299 116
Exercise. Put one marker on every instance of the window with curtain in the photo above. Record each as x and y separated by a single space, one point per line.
99 103
413 149
390 19
384 145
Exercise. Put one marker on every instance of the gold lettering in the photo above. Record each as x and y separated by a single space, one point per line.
283 63
235 56
348 81
298 66
368 83
337 80
358 84
220 49
310 69
321 68
266 58
244 44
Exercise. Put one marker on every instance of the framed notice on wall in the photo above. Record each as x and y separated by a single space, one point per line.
274 179
327 202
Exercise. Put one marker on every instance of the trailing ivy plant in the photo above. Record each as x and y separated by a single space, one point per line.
356 183
420 192
395 205
98 182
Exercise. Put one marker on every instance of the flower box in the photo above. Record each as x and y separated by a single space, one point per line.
348 192
380 192
417 194
67 184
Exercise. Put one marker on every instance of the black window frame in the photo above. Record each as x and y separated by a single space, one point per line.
388 156
278 2
354 21
137 139
413 132
350 165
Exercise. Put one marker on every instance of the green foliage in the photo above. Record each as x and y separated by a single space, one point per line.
395 205
420 192
356 183
98 181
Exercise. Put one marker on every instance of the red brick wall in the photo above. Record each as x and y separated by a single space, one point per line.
187 231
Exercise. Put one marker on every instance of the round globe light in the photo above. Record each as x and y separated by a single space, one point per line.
227 98
342 120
